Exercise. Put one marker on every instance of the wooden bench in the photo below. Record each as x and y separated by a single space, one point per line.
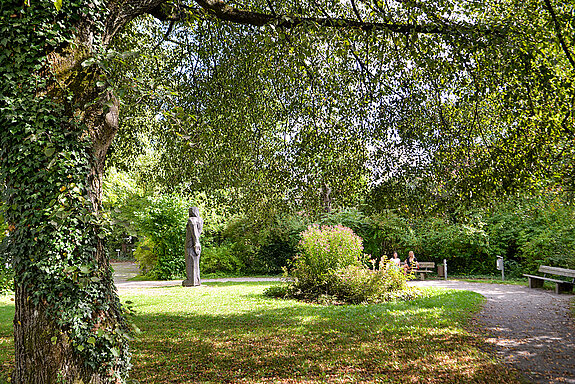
560 285
425 267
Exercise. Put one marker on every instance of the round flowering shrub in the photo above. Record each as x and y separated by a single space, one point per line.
328 269
323 252
328 248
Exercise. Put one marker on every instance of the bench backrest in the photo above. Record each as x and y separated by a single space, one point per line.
557 271
423 264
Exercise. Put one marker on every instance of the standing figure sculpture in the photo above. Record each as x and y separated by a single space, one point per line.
193 248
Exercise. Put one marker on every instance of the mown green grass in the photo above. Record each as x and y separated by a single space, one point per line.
6 336
231 333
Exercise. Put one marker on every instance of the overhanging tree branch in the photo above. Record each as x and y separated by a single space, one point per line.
559 34
222 11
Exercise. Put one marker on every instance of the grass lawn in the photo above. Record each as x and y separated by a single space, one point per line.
230 333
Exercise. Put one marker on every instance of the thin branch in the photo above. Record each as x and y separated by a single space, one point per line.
559 34
322 9
167 35
356 11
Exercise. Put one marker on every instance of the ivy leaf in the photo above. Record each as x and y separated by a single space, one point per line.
58 4
88 62
54 339
49 151
81 348
91 340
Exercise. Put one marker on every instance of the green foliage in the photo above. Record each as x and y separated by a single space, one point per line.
264 245
391 233
6 278
464 245
163 221
220 259
145 256
355 284
535 231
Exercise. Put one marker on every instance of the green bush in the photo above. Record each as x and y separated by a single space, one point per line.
163 222
279 241
549 236
465 245
6 279
264 246
325 250
145 256
220 259
329 269
361 285
353 284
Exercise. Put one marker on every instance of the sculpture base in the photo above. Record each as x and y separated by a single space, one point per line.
188 283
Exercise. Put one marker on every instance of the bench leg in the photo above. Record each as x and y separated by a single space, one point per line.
535 283
563 287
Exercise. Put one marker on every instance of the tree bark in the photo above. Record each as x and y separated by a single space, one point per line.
51 335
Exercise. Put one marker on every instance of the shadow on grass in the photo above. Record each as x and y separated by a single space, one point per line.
292 342
396 342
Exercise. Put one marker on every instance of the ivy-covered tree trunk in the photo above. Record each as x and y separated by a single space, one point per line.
58 119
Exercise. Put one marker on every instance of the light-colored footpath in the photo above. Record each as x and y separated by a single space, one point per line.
531 330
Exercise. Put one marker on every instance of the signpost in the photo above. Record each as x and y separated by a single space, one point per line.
501 266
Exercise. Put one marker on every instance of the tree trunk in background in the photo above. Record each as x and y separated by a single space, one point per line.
326 198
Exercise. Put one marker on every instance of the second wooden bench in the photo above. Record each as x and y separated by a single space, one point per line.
561 285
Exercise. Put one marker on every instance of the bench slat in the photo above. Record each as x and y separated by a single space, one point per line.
557 271
427 264
547 279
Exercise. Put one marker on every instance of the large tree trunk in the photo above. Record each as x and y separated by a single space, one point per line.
57 123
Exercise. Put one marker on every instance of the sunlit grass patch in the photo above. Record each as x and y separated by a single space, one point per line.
6 336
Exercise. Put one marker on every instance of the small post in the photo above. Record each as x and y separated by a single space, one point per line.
501 267
445 269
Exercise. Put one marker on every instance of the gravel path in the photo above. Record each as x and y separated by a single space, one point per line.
529 329
123 271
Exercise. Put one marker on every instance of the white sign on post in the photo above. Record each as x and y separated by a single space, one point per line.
501 267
